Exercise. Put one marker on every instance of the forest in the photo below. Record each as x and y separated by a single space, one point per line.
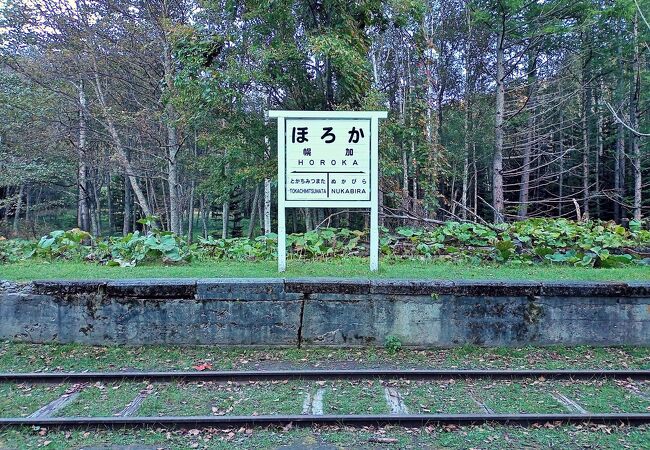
118 114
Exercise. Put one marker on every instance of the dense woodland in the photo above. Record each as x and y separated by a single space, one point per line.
117 110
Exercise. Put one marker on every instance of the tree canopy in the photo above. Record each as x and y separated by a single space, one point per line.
499 110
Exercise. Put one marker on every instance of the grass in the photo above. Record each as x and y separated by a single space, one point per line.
479 437
340 397
605 396
440 397
183 399
354 397
20 400
102 400
229 399
513 397
23 357
349 268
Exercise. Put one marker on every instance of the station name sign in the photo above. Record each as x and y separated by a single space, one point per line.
328 160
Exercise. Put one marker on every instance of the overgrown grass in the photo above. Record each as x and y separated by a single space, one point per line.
276 397
22 357
523 396
359 397
338 267
101 400
437 397
354 397
605 396
20 400
479 437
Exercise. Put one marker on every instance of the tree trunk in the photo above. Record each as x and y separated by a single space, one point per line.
109 204
28 204
375 69
204 216
225 213
468 116
8 205
475 172
165 205
497 162
586 142
619 162
634 123
119 149
465 187
190 214
95 217
7 209
561 176
524 193
173 146
405 163
405 179
83 219
128 201
251 224
601 148
430 127
414 174
19 207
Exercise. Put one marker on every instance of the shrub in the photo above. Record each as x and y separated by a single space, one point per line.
533 241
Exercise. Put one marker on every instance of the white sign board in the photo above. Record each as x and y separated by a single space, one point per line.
328 159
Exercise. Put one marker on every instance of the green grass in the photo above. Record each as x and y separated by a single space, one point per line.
24 357
442 397
229 399
605 396
512 397
553 357
349 267
20 400
479 437
102 400
186 399
354 397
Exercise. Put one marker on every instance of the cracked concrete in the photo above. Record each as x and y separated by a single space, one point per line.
325 312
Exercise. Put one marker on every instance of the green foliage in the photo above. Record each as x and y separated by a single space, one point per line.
133 248
393 344
534 241
262 247
62 245
12 251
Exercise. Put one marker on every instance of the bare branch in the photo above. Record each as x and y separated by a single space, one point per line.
622 122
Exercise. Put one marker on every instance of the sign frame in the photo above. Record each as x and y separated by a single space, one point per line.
372 204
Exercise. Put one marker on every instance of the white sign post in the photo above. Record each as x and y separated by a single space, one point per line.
328 159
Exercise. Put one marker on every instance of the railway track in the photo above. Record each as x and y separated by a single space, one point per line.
325 374
635 383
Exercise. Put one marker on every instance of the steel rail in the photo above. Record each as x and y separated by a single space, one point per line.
310 420
329 374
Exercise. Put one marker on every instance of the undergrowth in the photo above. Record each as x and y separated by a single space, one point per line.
533 241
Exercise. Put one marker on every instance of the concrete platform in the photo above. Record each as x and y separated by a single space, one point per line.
325 312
